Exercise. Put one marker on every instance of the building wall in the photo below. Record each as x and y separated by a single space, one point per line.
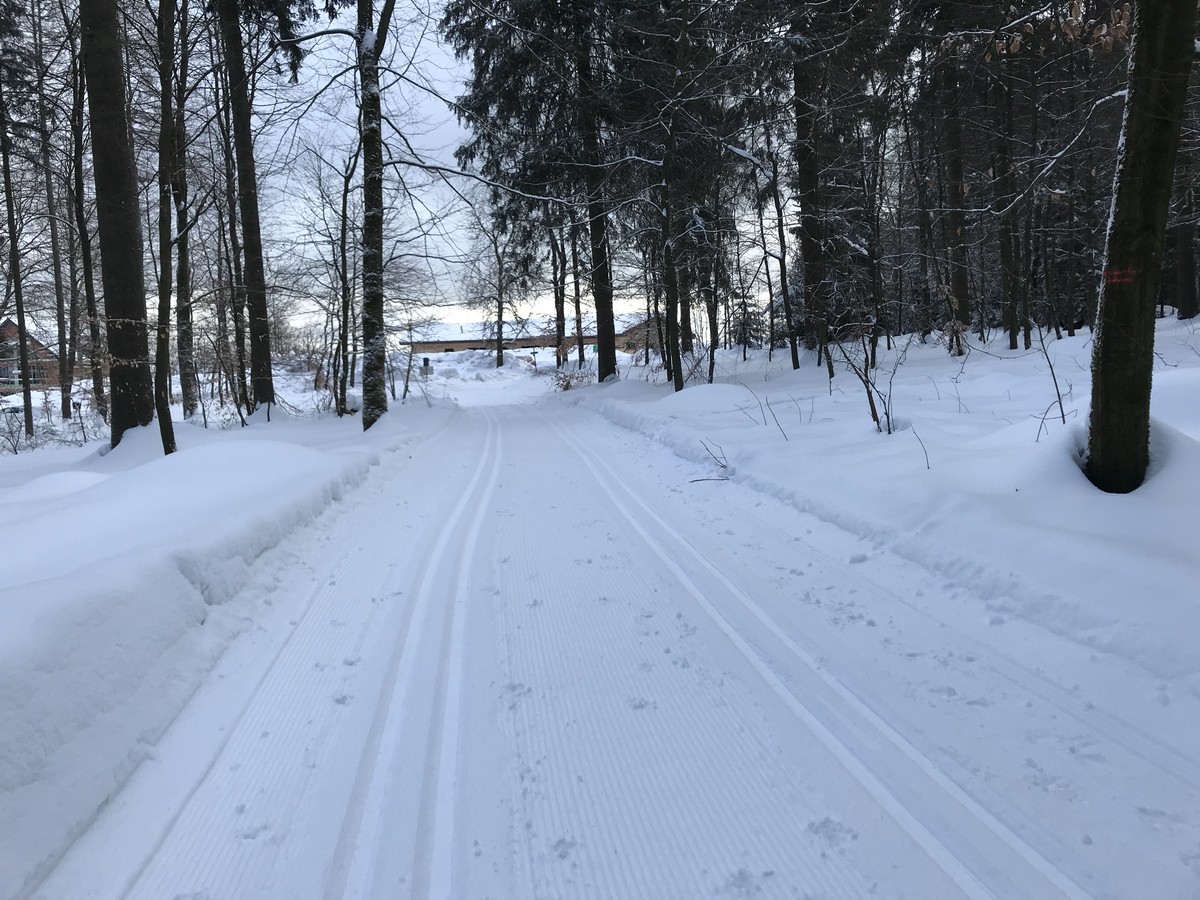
42 360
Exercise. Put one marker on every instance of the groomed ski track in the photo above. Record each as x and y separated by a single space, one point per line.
531 658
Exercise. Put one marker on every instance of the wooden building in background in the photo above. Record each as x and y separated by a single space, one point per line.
43 362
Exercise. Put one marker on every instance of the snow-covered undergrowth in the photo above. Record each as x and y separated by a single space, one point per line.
120 588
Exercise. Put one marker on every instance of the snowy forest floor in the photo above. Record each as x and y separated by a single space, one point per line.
614 642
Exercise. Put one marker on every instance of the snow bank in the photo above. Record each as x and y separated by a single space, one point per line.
980 484
109 618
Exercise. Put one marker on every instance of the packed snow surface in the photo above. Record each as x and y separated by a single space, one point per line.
614 642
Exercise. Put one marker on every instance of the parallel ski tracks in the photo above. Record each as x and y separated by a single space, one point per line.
839 700
164 790
397 838
1169 759
281 760
642 771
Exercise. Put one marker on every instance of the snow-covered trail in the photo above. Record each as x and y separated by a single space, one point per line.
534 657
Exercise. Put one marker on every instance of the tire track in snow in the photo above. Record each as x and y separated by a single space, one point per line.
935 847
404 846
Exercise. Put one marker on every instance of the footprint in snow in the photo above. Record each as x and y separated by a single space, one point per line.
834 832
562 848
640 703
1191 859
744 883
342 699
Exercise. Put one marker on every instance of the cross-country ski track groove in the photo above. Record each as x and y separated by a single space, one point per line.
855 762
527 659
1172 761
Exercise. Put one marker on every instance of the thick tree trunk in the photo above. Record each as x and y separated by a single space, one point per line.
762 235
261 380
231 242
710 302
812 211
687 341
1123 355
677 310
117 215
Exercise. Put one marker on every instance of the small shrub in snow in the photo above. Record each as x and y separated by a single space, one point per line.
564 380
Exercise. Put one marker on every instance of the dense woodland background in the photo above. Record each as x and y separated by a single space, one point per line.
812 177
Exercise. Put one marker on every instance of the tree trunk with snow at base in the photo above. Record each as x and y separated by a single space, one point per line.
118 218
1123 356
374 354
